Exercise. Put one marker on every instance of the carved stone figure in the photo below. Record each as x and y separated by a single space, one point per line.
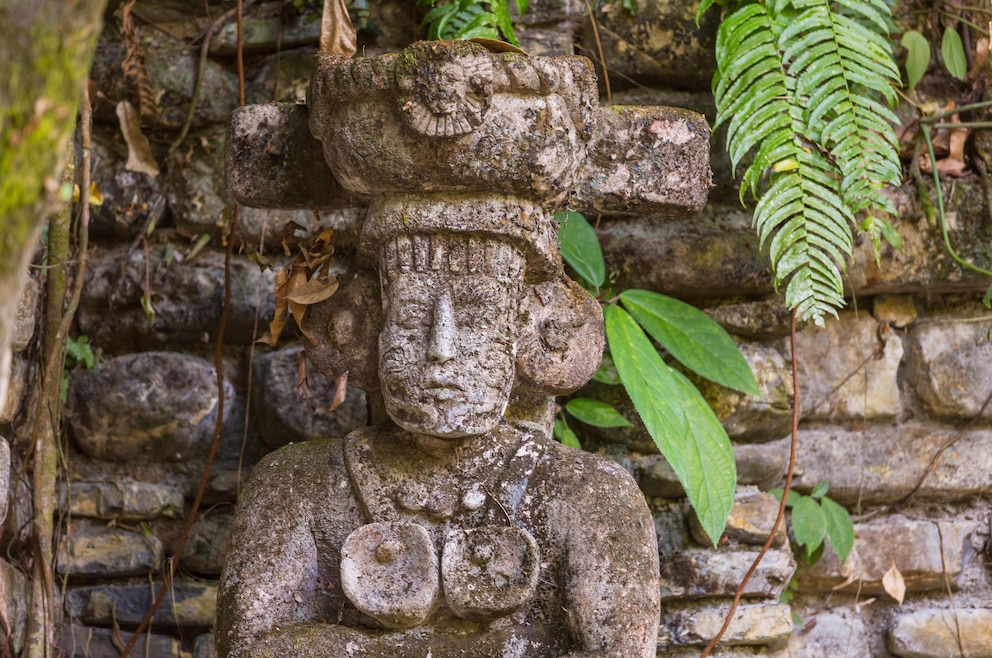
454 526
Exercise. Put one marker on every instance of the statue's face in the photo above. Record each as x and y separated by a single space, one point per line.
447 350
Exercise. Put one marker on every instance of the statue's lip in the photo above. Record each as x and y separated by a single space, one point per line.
441 382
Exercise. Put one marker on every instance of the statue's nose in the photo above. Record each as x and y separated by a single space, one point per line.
442 339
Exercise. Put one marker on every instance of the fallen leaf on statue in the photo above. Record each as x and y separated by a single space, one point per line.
894 585
315 291
340 393
281 314
139 152
302 385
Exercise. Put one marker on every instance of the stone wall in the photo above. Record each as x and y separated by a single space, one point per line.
882 388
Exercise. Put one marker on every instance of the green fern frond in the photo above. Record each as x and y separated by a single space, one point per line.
805 87
468 19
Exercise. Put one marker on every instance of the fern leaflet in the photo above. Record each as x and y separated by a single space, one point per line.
804 84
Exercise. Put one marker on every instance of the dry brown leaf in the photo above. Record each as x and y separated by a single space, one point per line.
340 392
297 278
338 35
980 60
139 152
281 314
315 291
894 585
302 385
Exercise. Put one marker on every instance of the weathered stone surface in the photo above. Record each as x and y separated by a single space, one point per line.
282 416
951 364
87 642
934 633
659 45
206 546
757 464
839 632
172 65
927 553
645 159
748 417
90 550
123 500
751 519
754 624
15 604
9 407
204 647
548 41
698 573
266 27
688 259
198 193
130 200
899 311
26 314
187 296
760 320
848 368
882 464
923 264
146 406
188 604
274 162
283 78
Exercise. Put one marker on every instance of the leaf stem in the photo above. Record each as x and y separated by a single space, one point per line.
940 205
785 495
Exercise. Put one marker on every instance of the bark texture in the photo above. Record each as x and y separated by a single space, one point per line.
48 46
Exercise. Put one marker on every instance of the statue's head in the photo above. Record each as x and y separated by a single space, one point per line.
470 305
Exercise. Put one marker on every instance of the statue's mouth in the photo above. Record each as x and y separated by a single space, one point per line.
436 382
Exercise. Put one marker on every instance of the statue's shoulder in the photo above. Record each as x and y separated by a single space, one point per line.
312 461
604 484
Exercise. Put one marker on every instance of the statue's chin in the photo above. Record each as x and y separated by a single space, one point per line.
443 423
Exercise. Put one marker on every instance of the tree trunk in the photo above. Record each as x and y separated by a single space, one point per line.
44 61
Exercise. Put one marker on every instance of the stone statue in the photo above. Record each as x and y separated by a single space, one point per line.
453 526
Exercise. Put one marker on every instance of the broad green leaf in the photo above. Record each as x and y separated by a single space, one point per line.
809 523
596 413
952 50
840 528
987 299
702 459
565 435
719 476
606 373
820 489
917 56
580 247
692 337
793 496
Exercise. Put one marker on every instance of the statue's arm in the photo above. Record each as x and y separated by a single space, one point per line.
272 578
611 580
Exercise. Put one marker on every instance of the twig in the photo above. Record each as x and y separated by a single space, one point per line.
781 506
201 67
599 48
931 465
940 194
219 367
950 593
